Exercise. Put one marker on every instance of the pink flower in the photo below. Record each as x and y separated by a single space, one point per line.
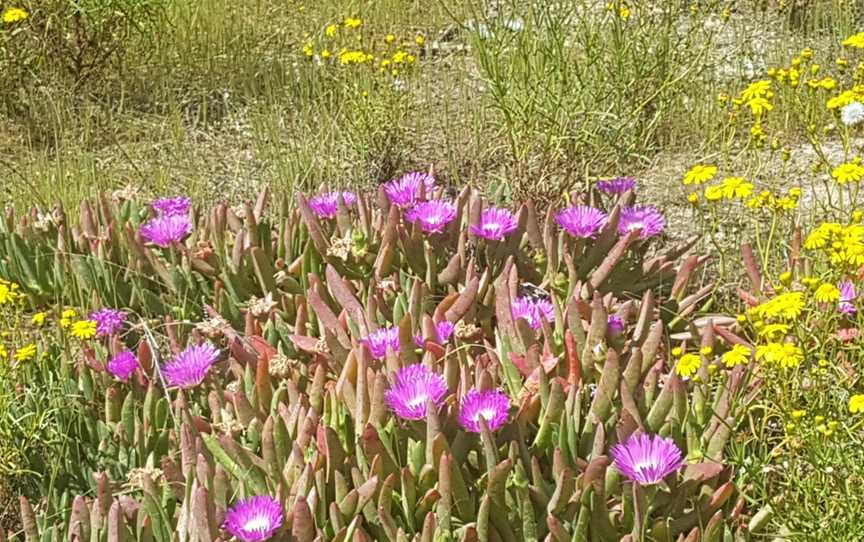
581 221
495 224
405 191
432 216
491 405
166 230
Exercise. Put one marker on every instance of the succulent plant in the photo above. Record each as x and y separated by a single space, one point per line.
512 440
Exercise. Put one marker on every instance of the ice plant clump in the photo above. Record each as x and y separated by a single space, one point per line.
433 216
380 340
327 204
405 191
108 321
847 297
491 405
122 365
645 218
533 311
647 459
191 366
618 185
254 519
443 331
165 230
495 224
581 221
172 206
415 386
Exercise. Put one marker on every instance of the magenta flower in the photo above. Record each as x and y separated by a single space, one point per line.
495 224
172 206
165 230
846 305
533 311
380 340
618 185
108 321
581 221
641 217
415 386
405 191
491 405
614 325
191 366
254 519
123 365
647 459
327 204
443 330
432 215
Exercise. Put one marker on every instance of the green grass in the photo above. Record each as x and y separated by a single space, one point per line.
216 96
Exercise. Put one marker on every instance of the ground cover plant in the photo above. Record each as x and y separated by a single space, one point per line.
386 281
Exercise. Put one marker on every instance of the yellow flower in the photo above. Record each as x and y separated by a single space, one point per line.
308 50
787 306
325 54
66 317
819 237
738 355
38 319
826 83
856 94
706 350
420 41
353 22
331 30
771 330
693 198
7 293
713 193
25 353
84 329
699 174
389 38
856 403
688 365
14 15
354 57
856 41
399 57
757 89
735 188
827 293
798 414
848 172
759 105
677 351
785 355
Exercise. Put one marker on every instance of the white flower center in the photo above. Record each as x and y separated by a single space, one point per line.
485 413
645 465
418 400
635 226
257 523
